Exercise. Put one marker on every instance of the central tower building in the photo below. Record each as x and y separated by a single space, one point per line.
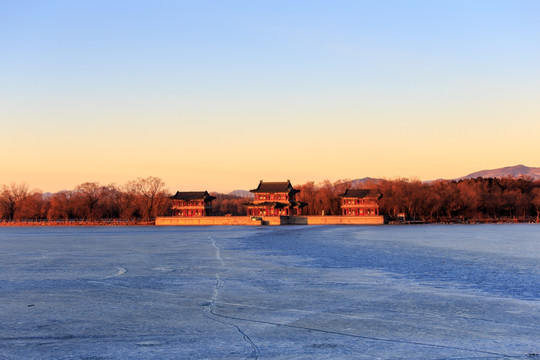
274 199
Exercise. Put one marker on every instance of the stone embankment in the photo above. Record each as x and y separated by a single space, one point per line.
210 220
216 221
271 220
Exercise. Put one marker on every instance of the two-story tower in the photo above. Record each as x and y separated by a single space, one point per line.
275 199
360 202
192 203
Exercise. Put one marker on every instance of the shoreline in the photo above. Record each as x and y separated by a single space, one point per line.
118 223
74 223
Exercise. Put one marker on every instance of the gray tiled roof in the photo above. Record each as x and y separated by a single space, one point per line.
192 195
361 193
274 187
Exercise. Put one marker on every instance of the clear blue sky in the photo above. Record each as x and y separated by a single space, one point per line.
220 94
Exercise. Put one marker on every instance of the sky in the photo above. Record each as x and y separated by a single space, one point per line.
217 95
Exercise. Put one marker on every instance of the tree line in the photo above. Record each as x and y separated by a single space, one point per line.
470 200
139 200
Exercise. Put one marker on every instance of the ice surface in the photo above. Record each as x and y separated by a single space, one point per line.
329 292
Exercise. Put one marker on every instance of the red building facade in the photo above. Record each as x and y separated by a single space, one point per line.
192 204
360 202
274 199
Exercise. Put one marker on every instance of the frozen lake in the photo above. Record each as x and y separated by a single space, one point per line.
329 292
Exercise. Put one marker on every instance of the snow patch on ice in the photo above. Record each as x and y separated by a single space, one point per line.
163 269
148 343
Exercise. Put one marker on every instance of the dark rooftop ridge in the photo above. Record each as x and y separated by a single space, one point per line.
274 187
193 195
361 193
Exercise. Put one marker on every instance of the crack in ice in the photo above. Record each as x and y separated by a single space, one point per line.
218 278
215 297
372 338
121 271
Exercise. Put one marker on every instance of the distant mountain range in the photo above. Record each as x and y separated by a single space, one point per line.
241 193
516 171
364 181
512 171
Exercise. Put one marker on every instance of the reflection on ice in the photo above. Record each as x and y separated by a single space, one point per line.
426 292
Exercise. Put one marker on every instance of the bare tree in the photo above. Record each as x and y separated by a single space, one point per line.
535 199
61 206
11 199
89 197
33 206
151 196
